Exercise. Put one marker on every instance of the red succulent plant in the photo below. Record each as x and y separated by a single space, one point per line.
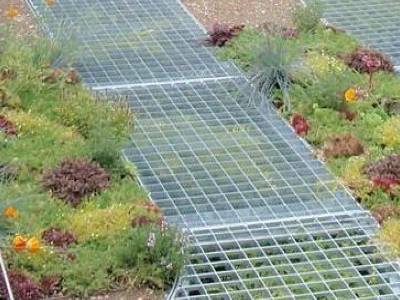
300 124
75 179
23 287
58 238
7 126
384 173
220 34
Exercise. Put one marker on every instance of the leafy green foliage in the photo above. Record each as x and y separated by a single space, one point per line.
54 120
153 255
307 18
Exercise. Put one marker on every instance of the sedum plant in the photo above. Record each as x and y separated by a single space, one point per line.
384 173
75 179
390 132
220 34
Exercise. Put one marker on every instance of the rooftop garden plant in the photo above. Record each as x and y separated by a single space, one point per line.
72 213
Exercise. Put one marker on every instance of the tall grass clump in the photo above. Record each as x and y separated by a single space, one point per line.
308 17
274 62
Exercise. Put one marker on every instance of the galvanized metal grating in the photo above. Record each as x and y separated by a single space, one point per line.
267 219
133 41
375 22
208 156
328 257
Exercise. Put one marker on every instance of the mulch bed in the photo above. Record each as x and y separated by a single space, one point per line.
242 12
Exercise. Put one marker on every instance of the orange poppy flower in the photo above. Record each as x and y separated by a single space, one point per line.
51 2
351 95
19 243
33 245
12 11
10 212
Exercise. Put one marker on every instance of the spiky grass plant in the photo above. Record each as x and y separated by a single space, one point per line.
273 64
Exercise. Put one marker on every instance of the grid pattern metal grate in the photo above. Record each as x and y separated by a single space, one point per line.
265 218
208 156
133 41
314 258
375 22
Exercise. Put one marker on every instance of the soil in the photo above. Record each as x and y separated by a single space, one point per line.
242 12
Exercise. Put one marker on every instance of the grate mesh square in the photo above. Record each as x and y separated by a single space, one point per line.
314 258
208 156
133 41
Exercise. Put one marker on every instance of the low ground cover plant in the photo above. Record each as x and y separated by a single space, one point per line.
69 204
343 99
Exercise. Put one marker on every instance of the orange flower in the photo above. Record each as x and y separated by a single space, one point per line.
51 2
12 11
19 243
10 212
351 95
33 245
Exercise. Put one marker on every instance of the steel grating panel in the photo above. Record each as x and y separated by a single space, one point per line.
133 41
208 156
375 22
314 258
265 218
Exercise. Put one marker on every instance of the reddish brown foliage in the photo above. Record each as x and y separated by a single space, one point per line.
58 238
300 124
72 77
23 287
384 212
384 173
348 115
76 179
50 285
342 145
220 34
7 126
369 61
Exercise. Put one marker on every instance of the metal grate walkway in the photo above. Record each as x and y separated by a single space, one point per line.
264 217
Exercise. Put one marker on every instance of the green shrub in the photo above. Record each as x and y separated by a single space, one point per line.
273 65
153 255
307 18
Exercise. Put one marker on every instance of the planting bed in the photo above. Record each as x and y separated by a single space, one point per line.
74 221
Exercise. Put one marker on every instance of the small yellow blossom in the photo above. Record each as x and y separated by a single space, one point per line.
33 245
12 11
351 95
10 212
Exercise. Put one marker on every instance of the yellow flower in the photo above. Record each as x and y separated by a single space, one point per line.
51 2
351 95
10 212
12 11
19 243
33 245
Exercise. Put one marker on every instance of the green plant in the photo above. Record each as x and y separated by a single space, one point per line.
273 65
75 179
153 254
390 132
390 235
306 18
